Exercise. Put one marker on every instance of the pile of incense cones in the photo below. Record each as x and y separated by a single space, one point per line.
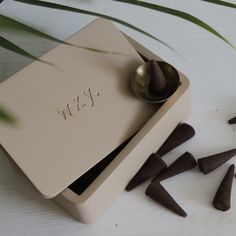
156 170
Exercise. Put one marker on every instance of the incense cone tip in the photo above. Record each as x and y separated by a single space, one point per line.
158 193
223 195
152 166
210 163
232 121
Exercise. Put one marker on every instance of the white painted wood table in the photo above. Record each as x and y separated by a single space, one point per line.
206 60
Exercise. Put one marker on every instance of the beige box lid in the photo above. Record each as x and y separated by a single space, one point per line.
71 115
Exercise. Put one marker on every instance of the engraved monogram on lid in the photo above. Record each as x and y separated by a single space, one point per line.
86 99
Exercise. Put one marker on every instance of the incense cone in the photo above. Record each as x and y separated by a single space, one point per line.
180 134
232 121
210 163
153 165
183 163
223 194
160 195
157 83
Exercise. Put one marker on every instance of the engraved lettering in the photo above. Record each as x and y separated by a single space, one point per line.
82 101
78 103
90 96
64 112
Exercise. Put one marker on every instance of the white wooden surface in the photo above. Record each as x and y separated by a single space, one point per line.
210 65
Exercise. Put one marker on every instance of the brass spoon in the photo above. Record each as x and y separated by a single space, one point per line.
142 84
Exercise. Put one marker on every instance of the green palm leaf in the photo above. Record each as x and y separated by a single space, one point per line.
7 22
178 13
222 3
4 43
6 116
77 10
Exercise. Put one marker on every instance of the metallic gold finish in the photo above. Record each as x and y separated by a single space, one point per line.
141 79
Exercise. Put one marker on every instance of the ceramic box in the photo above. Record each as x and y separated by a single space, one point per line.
75 108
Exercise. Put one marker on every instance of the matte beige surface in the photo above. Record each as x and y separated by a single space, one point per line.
51 160
92 203
72 114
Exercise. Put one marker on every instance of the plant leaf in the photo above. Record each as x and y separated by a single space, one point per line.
4 43
8 22
222 3
11 23
77 10
7 117
177 13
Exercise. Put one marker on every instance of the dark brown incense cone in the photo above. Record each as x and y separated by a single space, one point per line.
156 191
183 163
223 194
210 163
232 121
157 83
150 169
180 134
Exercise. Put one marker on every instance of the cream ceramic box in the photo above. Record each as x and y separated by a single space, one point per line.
80 130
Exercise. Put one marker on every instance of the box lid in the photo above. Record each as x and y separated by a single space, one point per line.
74 113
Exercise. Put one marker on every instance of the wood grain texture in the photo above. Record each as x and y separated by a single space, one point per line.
210 65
